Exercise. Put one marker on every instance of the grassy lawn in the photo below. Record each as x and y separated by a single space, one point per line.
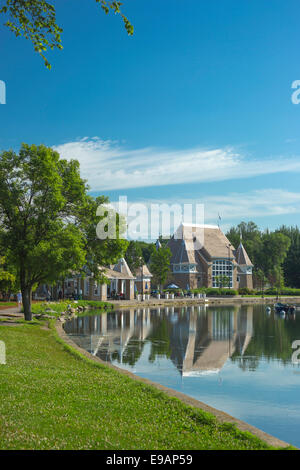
54 398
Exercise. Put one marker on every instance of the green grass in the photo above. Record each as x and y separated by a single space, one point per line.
52 397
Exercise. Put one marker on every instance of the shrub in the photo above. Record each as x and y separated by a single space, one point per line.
200 290
211 291
247 291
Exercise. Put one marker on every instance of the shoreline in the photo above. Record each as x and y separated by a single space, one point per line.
221 416
119 304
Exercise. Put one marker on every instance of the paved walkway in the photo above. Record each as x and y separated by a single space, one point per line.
13 312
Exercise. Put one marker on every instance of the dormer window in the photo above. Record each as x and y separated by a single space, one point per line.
184 268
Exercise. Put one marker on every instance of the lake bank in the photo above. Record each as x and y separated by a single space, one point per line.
177 302
221 416
235 358
54 397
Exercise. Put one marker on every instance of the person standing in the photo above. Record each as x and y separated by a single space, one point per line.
19 299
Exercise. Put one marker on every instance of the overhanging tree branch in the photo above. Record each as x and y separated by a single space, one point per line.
36 20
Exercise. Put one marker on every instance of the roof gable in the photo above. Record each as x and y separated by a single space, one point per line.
122 267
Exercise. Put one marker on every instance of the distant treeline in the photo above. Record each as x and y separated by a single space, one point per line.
275 254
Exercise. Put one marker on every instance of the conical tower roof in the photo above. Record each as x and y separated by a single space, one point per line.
242 257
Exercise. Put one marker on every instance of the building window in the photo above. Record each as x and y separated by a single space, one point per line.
86 287
184 268
222 271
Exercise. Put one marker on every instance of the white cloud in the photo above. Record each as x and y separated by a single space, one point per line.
232 207
108 166
266 202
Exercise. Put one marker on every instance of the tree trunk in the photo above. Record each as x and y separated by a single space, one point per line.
26 299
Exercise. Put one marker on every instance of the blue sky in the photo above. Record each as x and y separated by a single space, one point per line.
196 106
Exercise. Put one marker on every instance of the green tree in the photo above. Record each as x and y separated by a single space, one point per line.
48 222
36 20
292 261
134 256
267 250
7 278
273 252
249 234
260 279
160 265
223 281
39 193
276 278
99 252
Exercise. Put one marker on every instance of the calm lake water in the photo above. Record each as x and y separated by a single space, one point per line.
235 358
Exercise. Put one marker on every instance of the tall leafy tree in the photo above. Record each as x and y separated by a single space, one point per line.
99 252
36 20
260 279
134 256
39 194
160 265
249 234
48 222
274 249
292 261
267 250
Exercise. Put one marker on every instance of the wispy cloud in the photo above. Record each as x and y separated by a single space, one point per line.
232 207
108 166
259 203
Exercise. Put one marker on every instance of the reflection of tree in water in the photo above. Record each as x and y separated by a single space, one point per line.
271 340
246 362
131 353
160 341
185 335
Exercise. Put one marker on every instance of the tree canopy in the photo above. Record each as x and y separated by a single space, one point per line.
7 278
160 264
36 20
48 220
275 255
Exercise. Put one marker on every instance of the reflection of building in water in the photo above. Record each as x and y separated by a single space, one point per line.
107 335
205 342
196 339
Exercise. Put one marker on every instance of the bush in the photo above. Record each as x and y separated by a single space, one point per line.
247 291
213 292
283 291
201 290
